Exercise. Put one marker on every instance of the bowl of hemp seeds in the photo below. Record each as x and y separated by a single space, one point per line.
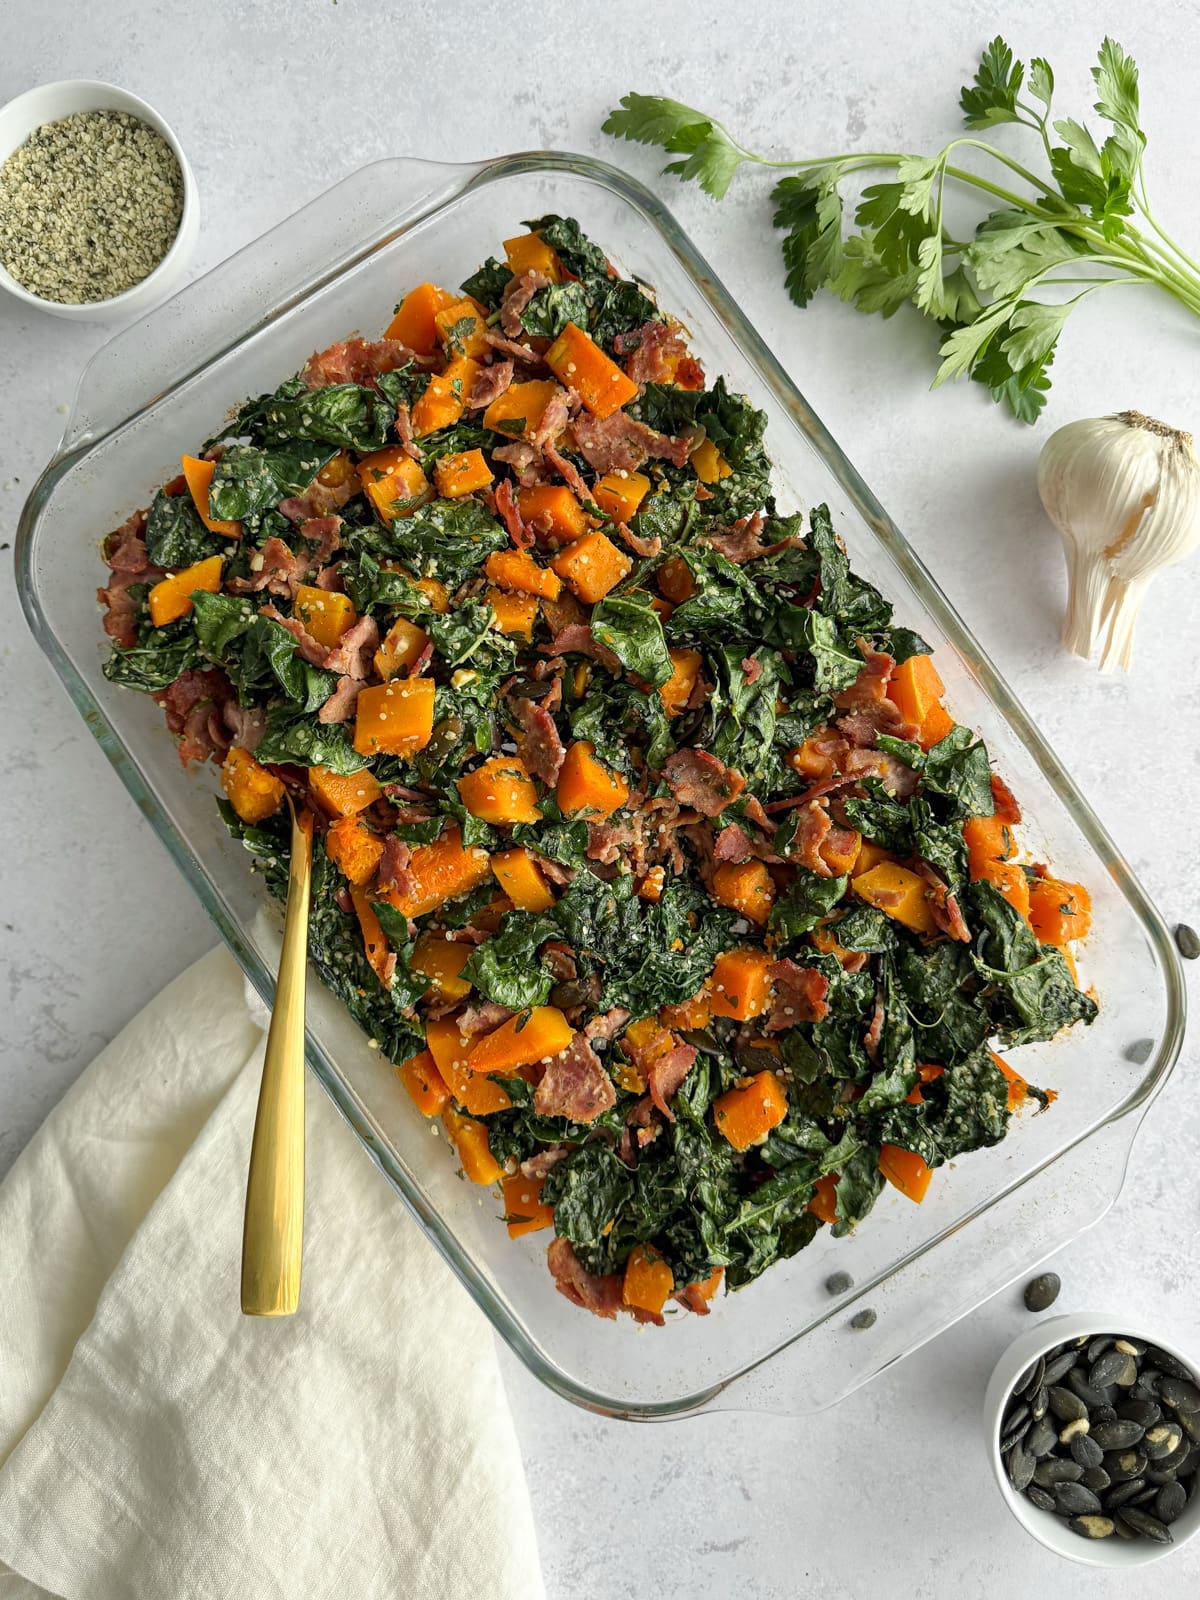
98 210
1093 1430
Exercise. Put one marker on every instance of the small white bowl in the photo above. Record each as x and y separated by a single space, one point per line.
1044 1525
49 103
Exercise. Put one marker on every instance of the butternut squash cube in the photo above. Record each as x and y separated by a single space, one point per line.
395 718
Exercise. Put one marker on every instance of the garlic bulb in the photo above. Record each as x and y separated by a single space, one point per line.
1124 493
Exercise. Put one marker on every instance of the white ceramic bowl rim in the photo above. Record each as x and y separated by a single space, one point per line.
73 95
1047 1528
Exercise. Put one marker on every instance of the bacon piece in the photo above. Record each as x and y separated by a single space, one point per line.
620 444
600 1295
658 353
1004 800
872 711
490 384
752 667
404 432
539 745
279 571
526 462
756 814
310 650
506 506
575 1085
744 540
353 652
341 703
319 500
567 471
620 839
485 1017
246 725
692 1296
798 996
874 1031
733 845
698 779
357 361
554 418
510 347
125 552
576 639
393 871
665 1075
896 776
812 828
559 961
194 705
646 548
553 870
605 1025
518 292
944 905
537 1166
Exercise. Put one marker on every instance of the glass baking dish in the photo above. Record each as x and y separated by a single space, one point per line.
783 1344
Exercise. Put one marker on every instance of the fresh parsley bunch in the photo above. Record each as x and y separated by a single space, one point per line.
1087 229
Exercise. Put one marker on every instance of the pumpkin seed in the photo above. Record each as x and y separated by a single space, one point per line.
1021 1467
1187 941
1168 1365
1169 1502
1124 1531
838 1283
1189 1421
1016 1416
1092 1527
1014 1436
1059 1366
1146 1388
443 739
1131 1347
1041 1292
1144 1496
1056 1470
1123 1493
1118 1435
1041 1439
1040 1497
1040 1404
1144 1411
1033 1379
1179 1394
1067 1406
1159 1475
1073 1500
864 1319
1096 1479
1103 1414
1150 1527
1098 1346
1162 1440
1073 1430
1124 1466
1086 1451
1113 1366
1077 1379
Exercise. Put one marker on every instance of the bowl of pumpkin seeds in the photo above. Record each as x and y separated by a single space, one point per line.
1093 1429
98 210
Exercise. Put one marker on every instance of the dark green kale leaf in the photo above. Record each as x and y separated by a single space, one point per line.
450 539
855 604
1035 992
347 415
372 586
940 843
589 1192
737 429
880 817
666 408
901 643
909 1128
551 308
157 659
615 714
957 769
175 535
462 436
633 632
866 928
743 714
619 307
835 664
940 991
305 742
506 968
467 634
489 283
571 245
858 1187
403 386
976 1109
269 842
249 479
808 899
562 841
896 1074
727 604
221 619
269 659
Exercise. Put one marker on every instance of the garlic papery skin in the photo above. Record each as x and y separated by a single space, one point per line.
1124 493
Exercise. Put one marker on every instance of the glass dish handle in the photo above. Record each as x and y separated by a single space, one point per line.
225 306
835 1358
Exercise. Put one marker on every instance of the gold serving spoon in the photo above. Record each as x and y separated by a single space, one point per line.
273 1234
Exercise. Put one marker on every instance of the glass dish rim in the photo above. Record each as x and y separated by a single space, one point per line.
460 179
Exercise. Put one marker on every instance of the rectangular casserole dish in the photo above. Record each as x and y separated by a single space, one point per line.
783 1344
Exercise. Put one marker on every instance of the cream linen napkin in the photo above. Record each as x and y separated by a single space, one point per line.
154 1442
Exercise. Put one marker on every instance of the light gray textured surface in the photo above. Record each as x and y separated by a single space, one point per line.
889 1493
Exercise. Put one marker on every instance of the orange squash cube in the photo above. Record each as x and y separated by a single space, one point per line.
578 362
707 462
685 670
476 1094
524 1209
500 790
586 787
198 475
441 961
343 796
413 323
648 1280
516 569
425 1084
675 581
746 888
326 614
440 871
395 718
401 646
171 598
905 1170
553 508
1059 912
445 397
393 482
746 1113
620 494
739 986
514 613
592 566
461 474
470 1139
529 252
253 792
519 409
693 1013
652 885
530 1037
354 849
375 943
461 327
521 879
879 887
824 1201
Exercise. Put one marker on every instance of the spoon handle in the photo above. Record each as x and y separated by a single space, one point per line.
273 1234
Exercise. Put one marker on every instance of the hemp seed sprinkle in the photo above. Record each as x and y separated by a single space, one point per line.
89 206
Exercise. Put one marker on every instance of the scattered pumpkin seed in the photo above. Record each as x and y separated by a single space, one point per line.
1188 941
1131 1347
1041 1439
1118 1435
1114 1366
1142 1522
1057 1470
1041 1292
1103 1414
1189 1421
1086 1451
1167 1364
1059 1366
1179 1394
1021 1466
1040 1497
1092 1527
1122 1493
864 1319
1066 1405
1016 1416
1123 1530
1073 1500
1162 1440
1096 1479
1091 1398
1097 1347
1169 1502
838 1283
1125 1465
1147 1412
1033 1379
